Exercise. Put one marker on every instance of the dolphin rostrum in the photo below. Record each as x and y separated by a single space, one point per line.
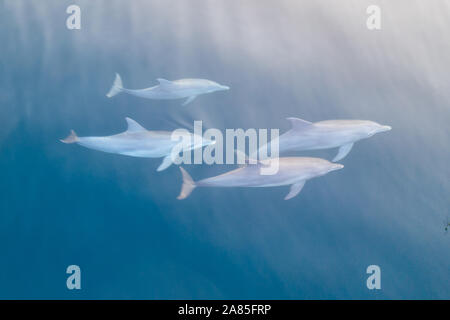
293 171
137 141
342 134
178 89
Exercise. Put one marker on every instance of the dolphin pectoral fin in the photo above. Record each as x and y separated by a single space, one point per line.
189 100
295 190
167 161
343 151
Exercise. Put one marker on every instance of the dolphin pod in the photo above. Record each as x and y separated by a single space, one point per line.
293 171
137 141
342 134
166 90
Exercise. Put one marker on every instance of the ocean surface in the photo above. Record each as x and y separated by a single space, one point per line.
119 220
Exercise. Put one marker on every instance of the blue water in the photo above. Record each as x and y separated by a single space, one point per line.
119 220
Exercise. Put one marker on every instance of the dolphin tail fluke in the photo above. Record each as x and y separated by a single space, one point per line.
72 138
188 185
116 88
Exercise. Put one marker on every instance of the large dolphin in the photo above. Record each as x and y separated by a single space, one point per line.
137 141
293 171
342 134
178 89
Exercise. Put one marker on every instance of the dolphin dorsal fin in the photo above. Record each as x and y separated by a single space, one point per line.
299 124
249 161
164 82
133 126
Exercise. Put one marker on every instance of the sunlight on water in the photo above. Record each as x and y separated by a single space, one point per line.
314 60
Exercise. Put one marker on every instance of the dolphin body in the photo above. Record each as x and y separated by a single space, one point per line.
342 134
178 89
293 171
137 141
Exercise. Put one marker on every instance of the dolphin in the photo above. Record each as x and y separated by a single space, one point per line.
342 134
137 141
293 171
178 89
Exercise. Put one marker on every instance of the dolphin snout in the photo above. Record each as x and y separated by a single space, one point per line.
379 129
224 88
337 166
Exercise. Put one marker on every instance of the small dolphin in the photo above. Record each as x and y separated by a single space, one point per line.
178 89
306 135
137 141
294 171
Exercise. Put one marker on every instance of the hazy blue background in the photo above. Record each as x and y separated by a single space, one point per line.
118 219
